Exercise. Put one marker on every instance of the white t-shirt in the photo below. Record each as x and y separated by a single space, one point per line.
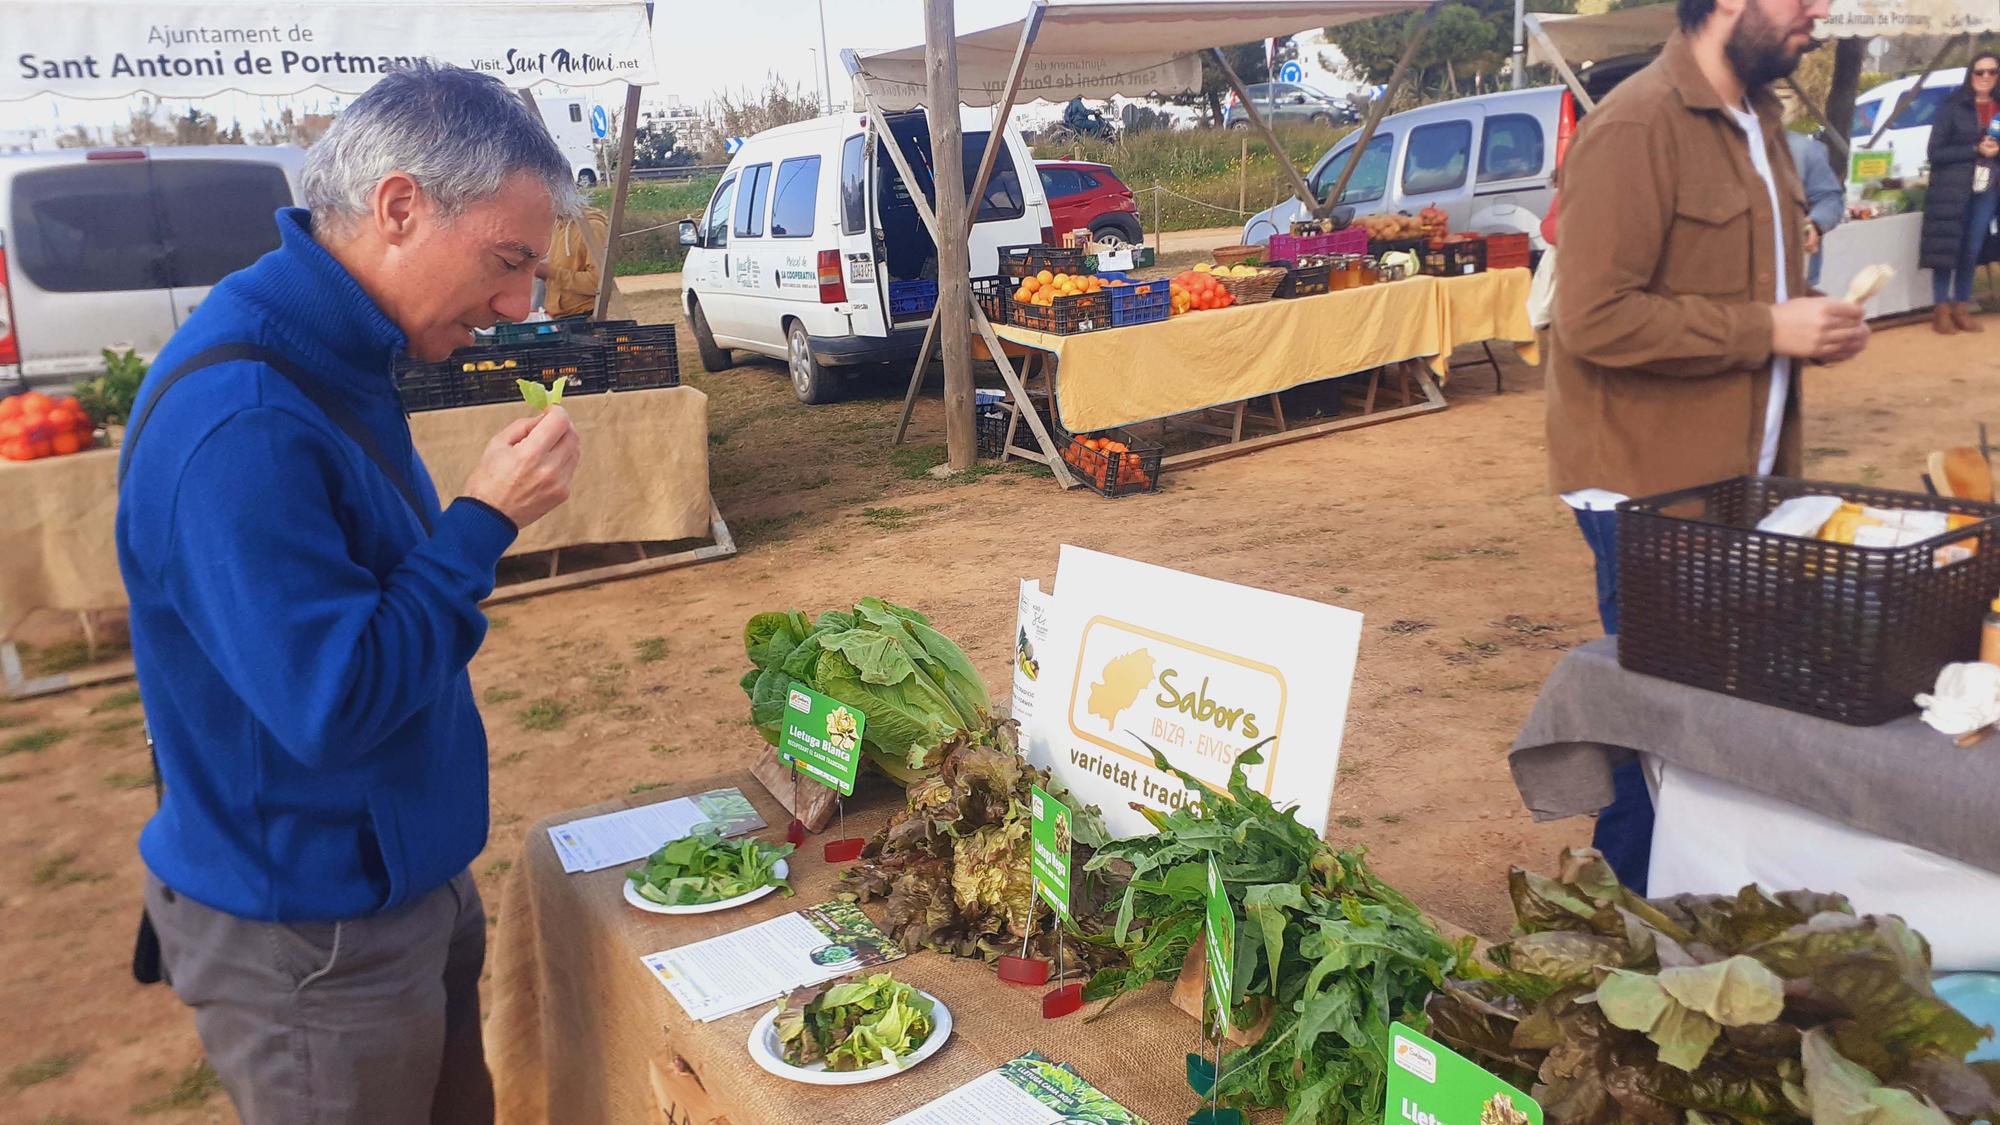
1597 499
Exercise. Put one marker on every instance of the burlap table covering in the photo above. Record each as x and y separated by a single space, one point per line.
579 1028
1901 780
1202 360
644 477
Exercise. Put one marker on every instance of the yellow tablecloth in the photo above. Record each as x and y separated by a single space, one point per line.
644 477
1125 375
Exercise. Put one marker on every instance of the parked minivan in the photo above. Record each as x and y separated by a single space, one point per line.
113 248
1488 161
1909 137
811 229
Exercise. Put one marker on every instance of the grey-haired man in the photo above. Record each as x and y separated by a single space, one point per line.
303 612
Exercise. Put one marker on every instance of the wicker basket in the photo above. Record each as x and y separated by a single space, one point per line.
1255 289
1236 255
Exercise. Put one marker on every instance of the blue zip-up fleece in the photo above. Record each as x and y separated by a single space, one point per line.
301 645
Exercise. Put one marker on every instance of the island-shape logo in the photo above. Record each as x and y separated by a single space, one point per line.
1199 705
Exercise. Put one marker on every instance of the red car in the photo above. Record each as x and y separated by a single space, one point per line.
1090 196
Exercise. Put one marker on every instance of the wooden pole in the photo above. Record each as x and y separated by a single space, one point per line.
954 266
1264 127
1243 176
628 131
1381 107
1835 141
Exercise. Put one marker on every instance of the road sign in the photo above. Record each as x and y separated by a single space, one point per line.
600 122
1292 72
732 146
1375 92
1877 47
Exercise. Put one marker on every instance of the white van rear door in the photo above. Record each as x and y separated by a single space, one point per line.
1013 211
87 266
854 228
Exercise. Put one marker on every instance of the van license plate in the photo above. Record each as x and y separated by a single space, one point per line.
860 267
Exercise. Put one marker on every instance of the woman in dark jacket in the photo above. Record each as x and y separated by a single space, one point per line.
1959 208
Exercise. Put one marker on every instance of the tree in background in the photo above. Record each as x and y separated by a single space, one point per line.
747 113
1471 39
1248 60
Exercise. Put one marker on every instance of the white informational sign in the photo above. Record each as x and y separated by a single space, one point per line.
115 48
1202 670
1855 18
1031 639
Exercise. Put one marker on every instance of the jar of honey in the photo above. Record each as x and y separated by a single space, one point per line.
1371 271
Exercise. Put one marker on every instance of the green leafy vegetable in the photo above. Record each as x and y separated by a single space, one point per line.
918 690
856 1025
540 397
705 868
1712 1009
953 863
1327 950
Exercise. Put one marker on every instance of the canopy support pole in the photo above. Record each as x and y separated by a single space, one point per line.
1561 64
987 159
1319 209
628 132
880 122
1380 109
954 267
1916 87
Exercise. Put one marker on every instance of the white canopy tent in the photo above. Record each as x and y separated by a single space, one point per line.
122 48
1060 50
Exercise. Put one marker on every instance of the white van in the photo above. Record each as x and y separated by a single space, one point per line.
1910 136
811 232
568 121
113 248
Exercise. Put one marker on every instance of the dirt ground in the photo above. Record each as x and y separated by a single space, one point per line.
1472 579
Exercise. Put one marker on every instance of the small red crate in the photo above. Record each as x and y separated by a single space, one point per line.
1507 251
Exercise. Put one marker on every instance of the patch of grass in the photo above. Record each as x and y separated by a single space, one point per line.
662 748
1350 822
62 1119
191 1090
112 726
1391 818
48 1068
1481 648
718 437
63 656
129 779
1405 627
649 650
498 867
60 871
1343 589
1871 474
512 758
1817 452
827 548
545 714
116 701
7 777
644 786
888 519
765 529
495 696
915 462
494 623
9 722
40 739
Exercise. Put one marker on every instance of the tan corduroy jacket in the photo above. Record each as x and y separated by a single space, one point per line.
1660 364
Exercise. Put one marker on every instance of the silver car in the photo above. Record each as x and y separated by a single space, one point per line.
113 248
1290 103
1489 162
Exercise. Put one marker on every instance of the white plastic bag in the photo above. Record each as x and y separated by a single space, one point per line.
1802 516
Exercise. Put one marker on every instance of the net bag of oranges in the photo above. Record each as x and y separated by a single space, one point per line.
34 426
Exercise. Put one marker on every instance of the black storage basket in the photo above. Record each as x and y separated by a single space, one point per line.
1113 474
1017 262
992 431
640 356
1065 316
1304 281
1842 632
994 294
476 376
1455 259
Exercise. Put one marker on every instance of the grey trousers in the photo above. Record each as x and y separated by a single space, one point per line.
371 1020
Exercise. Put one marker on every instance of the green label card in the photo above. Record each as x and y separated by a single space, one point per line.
822 738
1052 850
1221 945
1431 1084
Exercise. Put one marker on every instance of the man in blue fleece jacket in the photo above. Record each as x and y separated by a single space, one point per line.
303 613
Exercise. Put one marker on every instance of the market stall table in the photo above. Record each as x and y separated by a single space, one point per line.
1891 241
1896 816
1223 358
581 1031
645 479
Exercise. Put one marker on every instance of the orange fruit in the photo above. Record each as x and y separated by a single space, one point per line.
1045 277
10 407
66 442
35 402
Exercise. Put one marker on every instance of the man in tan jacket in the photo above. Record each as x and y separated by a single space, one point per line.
570 270
1681 299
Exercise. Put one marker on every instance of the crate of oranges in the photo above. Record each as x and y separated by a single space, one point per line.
1062 303
1114 463
1196 290
34 426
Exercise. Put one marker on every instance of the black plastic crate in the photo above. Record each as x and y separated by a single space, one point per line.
1141 302
1018 262
538 332
476 376
1064 316
1829 629
1455 259
640 356
994 294
912 298
992 430
1113 473
1305 281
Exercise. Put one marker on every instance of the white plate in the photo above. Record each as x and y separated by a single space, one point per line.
769 1052
781 869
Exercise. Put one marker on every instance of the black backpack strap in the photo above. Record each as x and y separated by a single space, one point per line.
335 411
